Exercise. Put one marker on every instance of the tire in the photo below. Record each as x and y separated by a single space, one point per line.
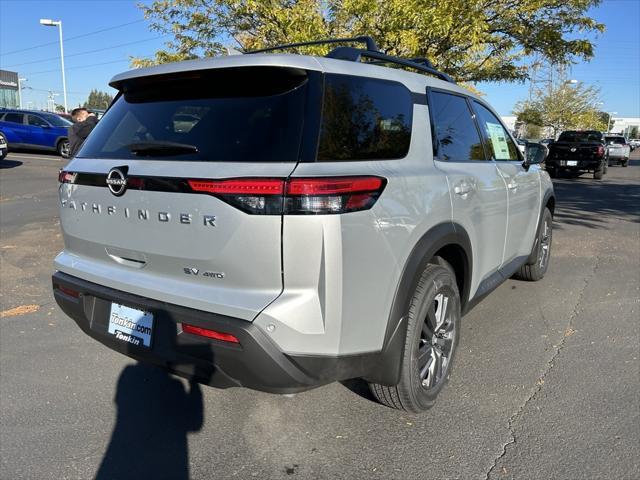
605 168
599 172
63 148
625 163
535 270
2 155
433 308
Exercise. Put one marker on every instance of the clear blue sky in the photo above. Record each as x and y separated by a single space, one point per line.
615 68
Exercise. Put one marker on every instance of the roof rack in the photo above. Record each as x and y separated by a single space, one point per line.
367 40
420 64
352 54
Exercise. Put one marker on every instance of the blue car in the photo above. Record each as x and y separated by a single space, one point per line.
34 129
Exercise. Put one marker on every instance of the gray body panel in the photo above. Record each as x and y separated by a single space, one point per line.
315 284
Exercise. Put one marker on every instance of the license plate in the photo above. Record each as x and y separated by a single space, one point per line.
572 163
131 325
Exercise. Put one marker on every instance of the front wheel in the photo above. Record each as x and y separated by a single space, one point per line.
63 148
433 330
3 153
536 269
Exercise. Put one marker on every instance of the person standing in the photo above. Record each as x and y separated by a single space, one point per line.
84 123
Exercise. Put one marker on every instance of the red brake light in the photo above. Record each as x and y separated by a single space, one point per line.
241 186
296 196
66 177
205 332
600 150
329 186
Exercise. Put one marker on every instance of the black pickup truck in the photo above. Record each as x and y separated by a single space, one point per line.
578 151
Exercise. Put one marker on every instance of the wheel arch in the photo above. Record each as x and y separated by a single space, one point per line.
446 241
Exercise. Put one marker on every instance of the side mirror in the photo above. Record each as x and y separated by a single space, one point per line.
535 153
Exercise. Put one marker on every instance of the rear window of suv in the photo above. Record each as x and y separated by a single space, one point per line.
616 140
580 137
246 114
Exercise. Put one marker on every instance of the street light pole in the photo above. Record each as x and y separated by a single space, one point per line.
609 121
53 23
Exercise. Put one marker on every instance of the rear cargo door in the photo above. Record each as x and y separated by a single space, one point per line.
172 196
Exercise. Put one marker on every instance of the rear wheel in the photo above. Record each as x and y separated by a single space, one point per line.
599 172
63 148
625 163
534 271
433 330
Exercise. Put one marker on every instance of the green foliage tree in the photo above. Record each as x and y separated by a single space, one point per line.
633 133
472 40
98 100
563 107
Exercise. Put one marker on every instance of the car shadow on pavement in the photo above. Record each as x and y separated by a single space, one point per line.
155 412
9 164
586 202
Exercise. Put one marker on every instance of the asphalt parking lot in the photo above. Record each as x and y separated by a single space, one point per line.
546 382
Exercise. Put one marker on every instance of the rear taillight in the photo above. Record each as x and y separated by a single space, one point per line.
66 177
297 196
252 195
208 333
309 196
600 151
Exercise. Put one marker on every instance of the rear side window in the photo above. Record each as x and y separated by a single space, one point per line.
36 121
455 133
13 117
247 114
364 118
501 146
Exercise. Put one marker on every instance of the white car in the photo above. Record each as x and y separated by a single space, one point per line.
618 150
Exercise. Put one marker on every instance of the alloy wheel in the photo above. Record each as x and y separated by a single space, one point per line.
436 343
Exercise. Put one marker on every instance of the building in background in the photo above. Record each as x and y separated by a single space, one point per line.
9 89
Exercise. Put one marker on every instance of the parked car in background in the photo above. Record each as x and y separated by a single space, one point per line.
578 151
618 150
634 143
35 129
4 149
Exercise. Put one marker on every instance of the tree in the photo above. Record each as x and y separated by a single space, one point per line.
633 133
563 107
474 40
98 100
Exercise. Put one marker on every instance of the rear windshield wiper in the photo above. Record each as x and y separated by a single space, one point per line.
162 148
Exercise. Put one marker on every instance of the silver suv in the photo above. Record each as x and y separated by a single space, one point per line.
280 222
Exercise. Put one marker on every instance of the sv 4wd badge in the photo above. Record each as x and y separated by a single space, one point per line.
195 272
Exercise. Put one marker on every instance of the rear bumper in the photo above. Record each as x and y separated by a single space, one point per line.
591 164
256 362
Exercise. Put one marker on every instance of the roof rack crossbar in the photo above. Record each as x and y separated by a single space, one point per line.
420 64
367 40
